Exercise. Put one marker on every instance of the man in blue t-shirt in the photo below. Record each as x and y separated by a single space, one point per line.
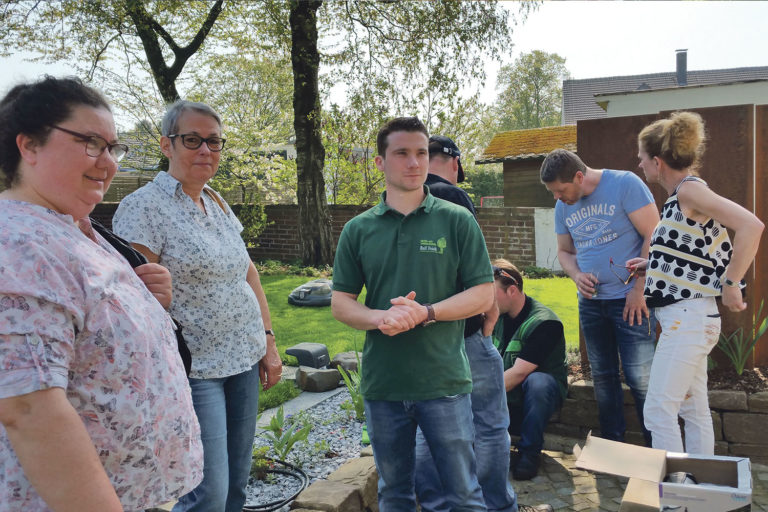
602 219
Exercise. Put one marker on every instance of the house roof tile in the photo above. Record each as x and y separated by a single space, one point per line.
579 95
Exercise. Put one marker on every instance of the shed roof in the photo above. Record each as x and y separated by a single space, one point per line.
521 144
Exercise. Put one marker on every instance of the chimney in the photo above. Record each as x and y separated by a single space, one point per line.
682 67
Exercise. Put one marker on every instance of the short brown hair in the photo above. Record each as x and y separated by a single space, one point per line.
398 124
561 165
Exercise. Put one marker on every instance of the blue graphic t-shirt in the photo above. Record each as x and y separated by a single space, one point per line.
600 228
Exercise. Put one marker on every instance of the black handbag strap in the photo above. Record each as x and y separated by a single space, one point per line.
134 257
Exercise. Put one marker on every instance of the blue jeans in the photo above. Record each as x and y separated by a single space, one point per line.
609 337
227 409
491 420
541 398
447 426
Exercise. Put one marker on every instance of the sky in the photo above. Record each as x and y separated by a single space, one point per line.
600 38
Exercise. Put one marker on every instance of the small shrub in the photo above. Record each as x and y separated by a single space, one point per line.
274 267
284 433
260 464
739 347
534 272
352 381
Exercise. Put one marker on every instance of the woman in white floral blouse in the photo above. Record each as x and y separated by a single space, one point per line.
96 409
181 223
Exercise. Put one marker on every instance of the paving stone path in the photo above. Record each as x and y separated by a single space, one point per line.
561 484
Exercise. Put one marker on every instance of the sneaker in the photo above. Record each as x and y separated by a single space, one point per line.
526 467
535 508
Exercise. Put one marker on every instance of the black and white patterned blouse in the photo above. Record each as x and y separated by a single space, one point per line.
687 258
208 262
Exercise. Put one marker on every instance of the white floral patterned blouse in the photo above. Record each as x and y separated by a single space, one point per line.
74 315
208 261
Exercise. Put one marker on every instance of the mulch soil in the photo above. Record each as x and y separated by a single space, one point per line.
751 380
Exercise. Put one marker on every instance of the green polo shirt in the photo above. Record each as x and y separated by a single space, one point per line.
437 251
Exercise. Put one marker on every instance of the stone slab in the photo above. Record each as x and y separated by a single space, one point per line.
362 474
329 496
758 402
728 400
579 413
740 427
717 425
581 390
347 360
317 380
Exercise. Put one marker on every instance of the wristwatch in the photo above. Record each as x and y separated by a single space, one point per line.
430 315
269 331
732 284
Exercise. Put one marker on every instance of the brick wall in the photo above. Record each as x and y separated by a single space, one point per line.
509 232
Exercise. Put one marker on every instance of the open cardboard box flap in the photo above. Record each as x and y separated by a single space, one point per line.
621 459
725 483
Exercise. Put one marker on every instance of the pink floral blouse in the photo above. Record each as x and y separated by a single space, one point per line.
74 315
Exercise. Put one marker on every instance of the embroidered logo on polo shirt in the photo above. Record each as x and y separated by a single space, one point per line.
431 246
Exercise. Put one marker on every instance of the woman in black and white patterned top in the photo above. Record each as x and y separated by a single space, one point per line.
692 261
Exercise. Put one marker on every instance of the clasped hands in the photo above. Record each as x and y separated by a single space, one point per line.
404 315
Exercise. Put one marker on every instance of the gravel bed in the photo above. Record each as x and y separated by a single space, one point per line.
334 439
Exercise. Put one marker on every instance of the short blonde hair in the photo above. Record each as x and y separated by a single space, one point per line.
508 268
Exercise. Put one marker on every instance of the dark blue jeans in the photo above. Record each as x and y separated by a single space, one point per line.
447 426
490 417
541 398
609 339
227 409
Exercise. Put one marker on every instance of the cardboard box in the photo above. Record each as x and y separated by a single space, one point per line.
725 483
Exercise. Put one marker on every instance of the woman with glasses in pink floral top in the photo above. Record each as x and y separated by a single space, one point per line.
95 408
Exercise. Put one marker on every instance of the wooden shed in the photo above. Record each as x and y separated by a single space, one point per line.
521 153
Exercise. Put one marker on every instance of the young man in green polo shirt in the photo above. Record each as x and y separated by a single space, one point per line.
531 341
421 260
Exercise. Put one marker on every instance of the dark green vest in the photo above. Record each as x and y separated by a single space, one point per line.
555 362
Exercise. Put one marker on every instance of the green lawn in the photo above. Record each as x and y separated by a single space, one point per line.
293 324
559 294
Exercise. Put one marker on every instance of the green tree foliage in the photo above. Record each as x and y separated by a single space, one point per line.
257 118
483 181
349 137
531 91
392 55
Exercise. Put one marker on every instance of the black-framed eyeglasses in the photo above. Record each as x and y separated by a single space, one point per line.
194 141
95 145
500 272
619 274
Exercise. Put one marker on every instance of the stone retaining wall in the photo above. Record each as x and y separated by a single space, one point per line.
738 419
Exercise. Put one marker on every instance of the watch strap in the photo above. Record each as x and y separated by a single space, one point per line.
732 284
430 315
269 331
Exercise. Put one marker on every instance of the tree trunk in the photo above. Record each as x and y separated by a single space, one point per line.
315 239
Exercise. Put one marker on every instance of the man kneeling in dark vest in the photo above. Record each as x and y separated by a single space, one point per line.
531 341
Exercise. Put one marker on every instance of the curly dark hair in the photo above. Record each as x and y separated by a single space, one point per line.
32 108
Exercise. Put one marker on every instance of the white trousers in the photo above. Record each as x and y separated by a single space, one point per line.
678 383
